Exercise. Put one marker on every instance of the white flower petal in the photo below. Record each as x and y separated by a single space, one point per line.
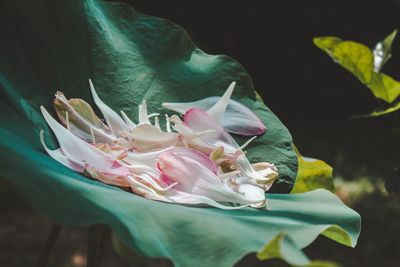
218 109
128 121
143 115
251 193
193 199
157 123
113 120
146 158
148 138
264 176
59 156
167 123
80 152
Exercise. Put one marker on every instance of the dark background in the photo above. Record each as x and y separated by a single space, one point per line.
314 98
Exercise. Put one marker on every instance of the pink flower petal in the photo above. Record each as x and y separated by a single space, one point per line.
107 177
195 178
232 115
200 121
198 157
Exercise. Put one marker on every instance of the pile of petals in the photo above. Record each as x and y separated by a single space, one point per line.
194 161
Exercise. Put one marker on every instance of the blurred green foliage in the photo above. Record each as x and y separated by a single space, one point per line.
366 65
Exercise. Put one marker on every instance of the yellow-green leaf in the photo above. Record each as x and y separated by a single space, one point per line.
312 174
391 109
278 246
281 247
338 234
364 64
384 87
320 263
355 57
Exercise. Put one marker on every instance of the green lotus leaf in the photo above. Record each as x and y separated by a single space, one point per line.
312 174
57 45
364 63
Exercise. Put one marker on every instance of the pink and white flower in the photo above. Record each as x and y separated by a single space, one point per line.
197 162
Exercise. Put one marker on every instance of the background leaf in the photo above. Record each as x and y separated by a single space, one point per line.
280 247
359 60
312 174
377 113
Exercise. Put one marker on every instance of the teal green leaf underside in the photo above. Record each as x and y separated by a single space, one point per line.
190 236
58 45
